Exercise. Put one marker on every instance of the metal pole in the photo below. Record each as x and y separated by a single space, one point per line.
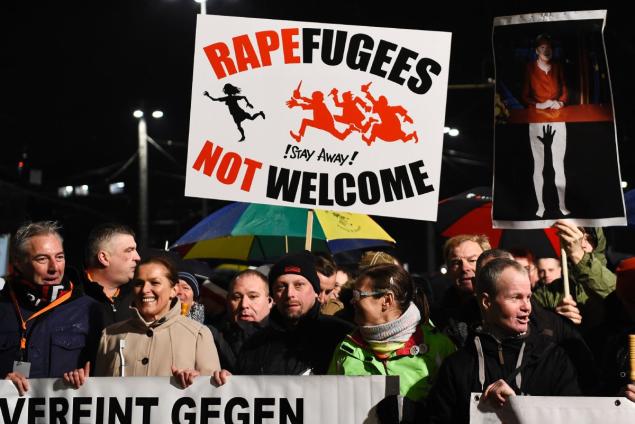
143 183
203 7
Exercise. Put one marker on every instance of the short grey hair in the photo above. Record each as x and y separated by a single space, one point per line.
100 235
490 255
29 230
487 278
248 273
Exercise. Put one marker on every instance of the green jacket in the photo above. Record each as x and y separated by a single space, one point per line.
591 272
416 363
590 281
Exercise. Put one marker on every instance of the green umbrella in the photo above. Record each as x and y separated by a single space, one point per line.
258 233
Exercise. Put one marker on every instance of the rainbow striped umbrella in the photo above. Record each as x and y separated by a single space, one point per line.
259 233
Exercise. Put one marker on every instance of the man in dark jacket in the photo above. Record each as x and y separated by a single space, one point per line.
559 329
298 340
47 327
506 356
249 305
111 259
457 309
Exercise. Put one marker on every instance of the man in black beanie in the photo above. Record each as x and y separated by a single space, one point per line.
294 285
298 340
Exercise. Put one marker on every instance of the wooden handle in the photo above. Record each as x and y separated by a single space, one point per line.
309 230
631 352
565 272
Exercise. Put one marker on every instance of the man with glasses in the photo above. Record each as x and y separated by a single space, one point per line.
297 340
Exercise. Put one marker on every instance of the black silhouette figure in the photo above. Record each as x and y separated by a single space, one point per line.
231 100
549 193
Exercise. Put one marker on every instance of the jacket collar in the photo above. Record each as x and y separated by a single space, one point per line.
493 341
282 323
173 314
94 288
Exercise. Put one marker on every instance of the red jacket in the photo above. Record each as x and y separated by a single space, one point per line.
541 86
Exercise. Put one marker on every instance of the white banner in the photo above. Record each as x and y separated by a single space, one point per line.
156 400
316 115
553 409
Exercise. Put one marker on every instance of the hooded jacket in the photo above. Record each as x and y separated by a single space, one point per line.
544 370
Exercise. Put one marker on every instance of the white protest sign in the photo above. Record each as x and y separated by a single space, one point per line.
156 400
550 122
554 409
318 115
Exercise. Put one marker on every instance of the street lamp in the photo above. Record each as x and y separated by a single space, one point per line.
142 132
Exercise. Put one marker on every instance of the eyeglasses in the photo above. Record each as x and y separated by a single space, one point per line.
358 295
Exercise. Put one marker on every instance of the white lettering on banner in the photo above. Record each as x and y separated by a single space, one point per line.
554 409
156 400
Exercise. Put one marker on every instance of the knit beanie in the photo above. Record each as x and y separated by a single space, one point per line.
191 281
301 263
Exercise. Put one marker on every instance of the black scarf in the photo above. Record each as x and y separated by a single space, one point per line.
37 296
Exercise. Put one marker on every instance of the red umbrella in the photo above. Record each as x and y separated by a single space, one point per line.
471 213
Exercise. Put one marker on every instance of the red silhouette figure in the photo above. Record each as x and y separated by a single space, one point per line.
322 117
351 113
389 126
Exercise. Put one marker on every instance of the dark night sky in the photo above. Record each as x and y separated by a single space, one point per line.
73 72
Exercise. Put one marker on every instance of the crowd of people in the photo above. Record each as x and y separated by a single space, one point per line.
501 327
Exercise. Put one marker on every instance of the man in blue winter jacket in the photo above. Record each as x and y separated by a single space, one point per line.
47 326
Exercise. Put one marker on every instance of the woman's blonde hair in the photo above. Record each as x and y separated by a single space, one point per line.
372 258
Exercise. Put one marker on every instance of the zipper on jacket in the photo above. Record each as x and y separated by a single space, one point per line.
500 354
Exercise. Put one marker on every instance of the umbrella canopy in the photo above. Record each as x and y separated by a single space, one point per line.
260 233
471 213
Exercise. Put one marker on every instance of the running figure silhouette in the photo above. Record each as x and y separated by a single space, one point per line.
322 117
231 100
389 126
351 113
